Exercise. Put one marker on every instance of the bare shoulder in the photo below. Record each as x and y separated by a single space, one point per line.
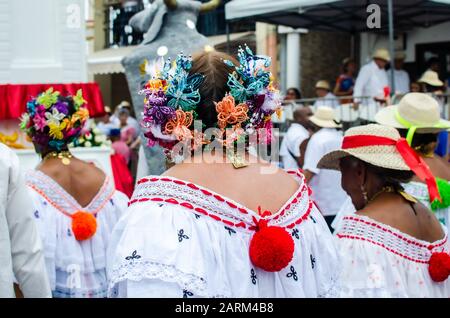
415 220
259 184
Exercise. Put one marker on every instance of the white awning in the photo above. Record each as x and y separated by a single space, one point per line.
237 9
338 15
109 61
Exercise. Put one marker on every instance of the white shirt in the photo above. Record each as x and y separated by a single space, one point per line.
328 100
131 121
21 253
378 260
401 79
371 81
105 128
290 145
177 241
325 184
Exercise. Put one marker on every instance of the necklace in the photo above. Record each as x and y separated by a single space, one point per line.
64 156
391 189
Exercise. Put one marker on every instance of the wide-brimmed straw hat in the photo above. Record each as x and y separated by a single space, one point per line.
417 110
324 117
400 55
385 156
431 78
382 54
323 85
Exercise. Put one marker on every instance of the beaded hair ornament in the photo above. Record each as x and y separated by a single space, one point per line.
52 120
172 98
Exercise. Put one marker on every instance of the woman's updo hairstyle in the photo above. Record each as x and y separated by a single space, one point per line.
214 87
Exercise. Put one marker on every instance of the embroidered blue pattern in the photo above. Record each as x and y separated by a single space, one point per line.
292 274
182 236
133 256
253 276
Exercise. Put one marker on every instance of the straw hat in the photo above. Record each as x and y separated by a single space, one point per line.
323 85
381 156
400 55
107 110
431 78
416 109
382 54
324 117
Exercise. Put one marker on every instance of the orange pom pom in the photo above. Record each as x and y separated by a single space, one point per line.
84 225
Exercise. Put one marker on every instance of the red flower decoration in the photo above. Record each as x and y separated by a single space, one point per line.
271 247
84 225
439 266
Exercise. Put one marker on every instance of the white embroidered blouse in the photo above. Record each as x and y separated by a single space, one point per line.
179 239
381 261
75 268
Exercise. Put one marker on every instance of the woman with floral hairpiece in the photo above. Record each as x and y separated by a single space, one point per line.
76 204
393 246
208 228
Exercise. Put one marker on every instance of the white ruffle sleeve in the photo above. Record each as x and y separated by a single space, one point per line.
75 268
419 190
178 239
380 261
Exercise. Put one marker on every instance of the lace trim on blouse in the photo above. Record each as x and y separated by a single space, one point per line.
203 201
50 190
363 228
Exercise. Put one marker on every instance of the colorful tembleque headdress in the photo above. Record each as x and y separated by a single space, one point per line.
53 121
172 97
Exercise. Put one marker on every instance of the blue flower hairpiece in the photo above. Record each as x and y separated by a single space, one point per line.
251 75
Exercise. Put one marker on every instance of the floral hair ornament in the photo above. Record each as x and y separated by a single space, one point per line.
251 85
251 102
171 97
54 121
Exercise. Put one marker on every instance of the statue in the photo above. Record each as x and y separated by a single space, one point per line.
170 28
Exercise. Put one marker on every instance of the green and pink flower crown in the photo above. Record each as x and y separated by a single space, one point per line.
172 98
53 121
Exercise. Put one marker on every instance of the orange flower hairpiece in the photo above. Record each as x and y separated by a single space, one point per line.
229 113
179 125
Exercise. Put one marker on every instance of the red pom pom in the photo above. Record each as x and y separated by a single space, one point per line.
84 225
439 266
271 248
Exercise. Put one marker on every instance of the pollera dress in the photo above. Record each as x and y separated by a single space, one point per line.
179 239
378 260
76 269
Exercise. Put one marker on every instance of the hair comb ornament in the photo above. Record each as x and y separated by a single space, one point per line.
54 121
251 86
172 97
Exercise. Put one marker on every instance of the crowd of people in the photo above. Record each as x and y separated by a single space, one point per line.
224 223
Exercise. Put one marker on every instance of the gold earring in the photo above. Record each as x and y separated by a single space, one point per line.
364 194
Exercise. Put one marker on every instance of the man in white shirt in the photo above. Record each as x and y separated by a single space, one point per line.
372 82
325 184
105 124
401 77
21 253
326 98
296 135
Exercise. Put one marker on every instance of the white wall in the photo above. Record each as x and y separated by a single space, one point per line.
42 41
372 41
